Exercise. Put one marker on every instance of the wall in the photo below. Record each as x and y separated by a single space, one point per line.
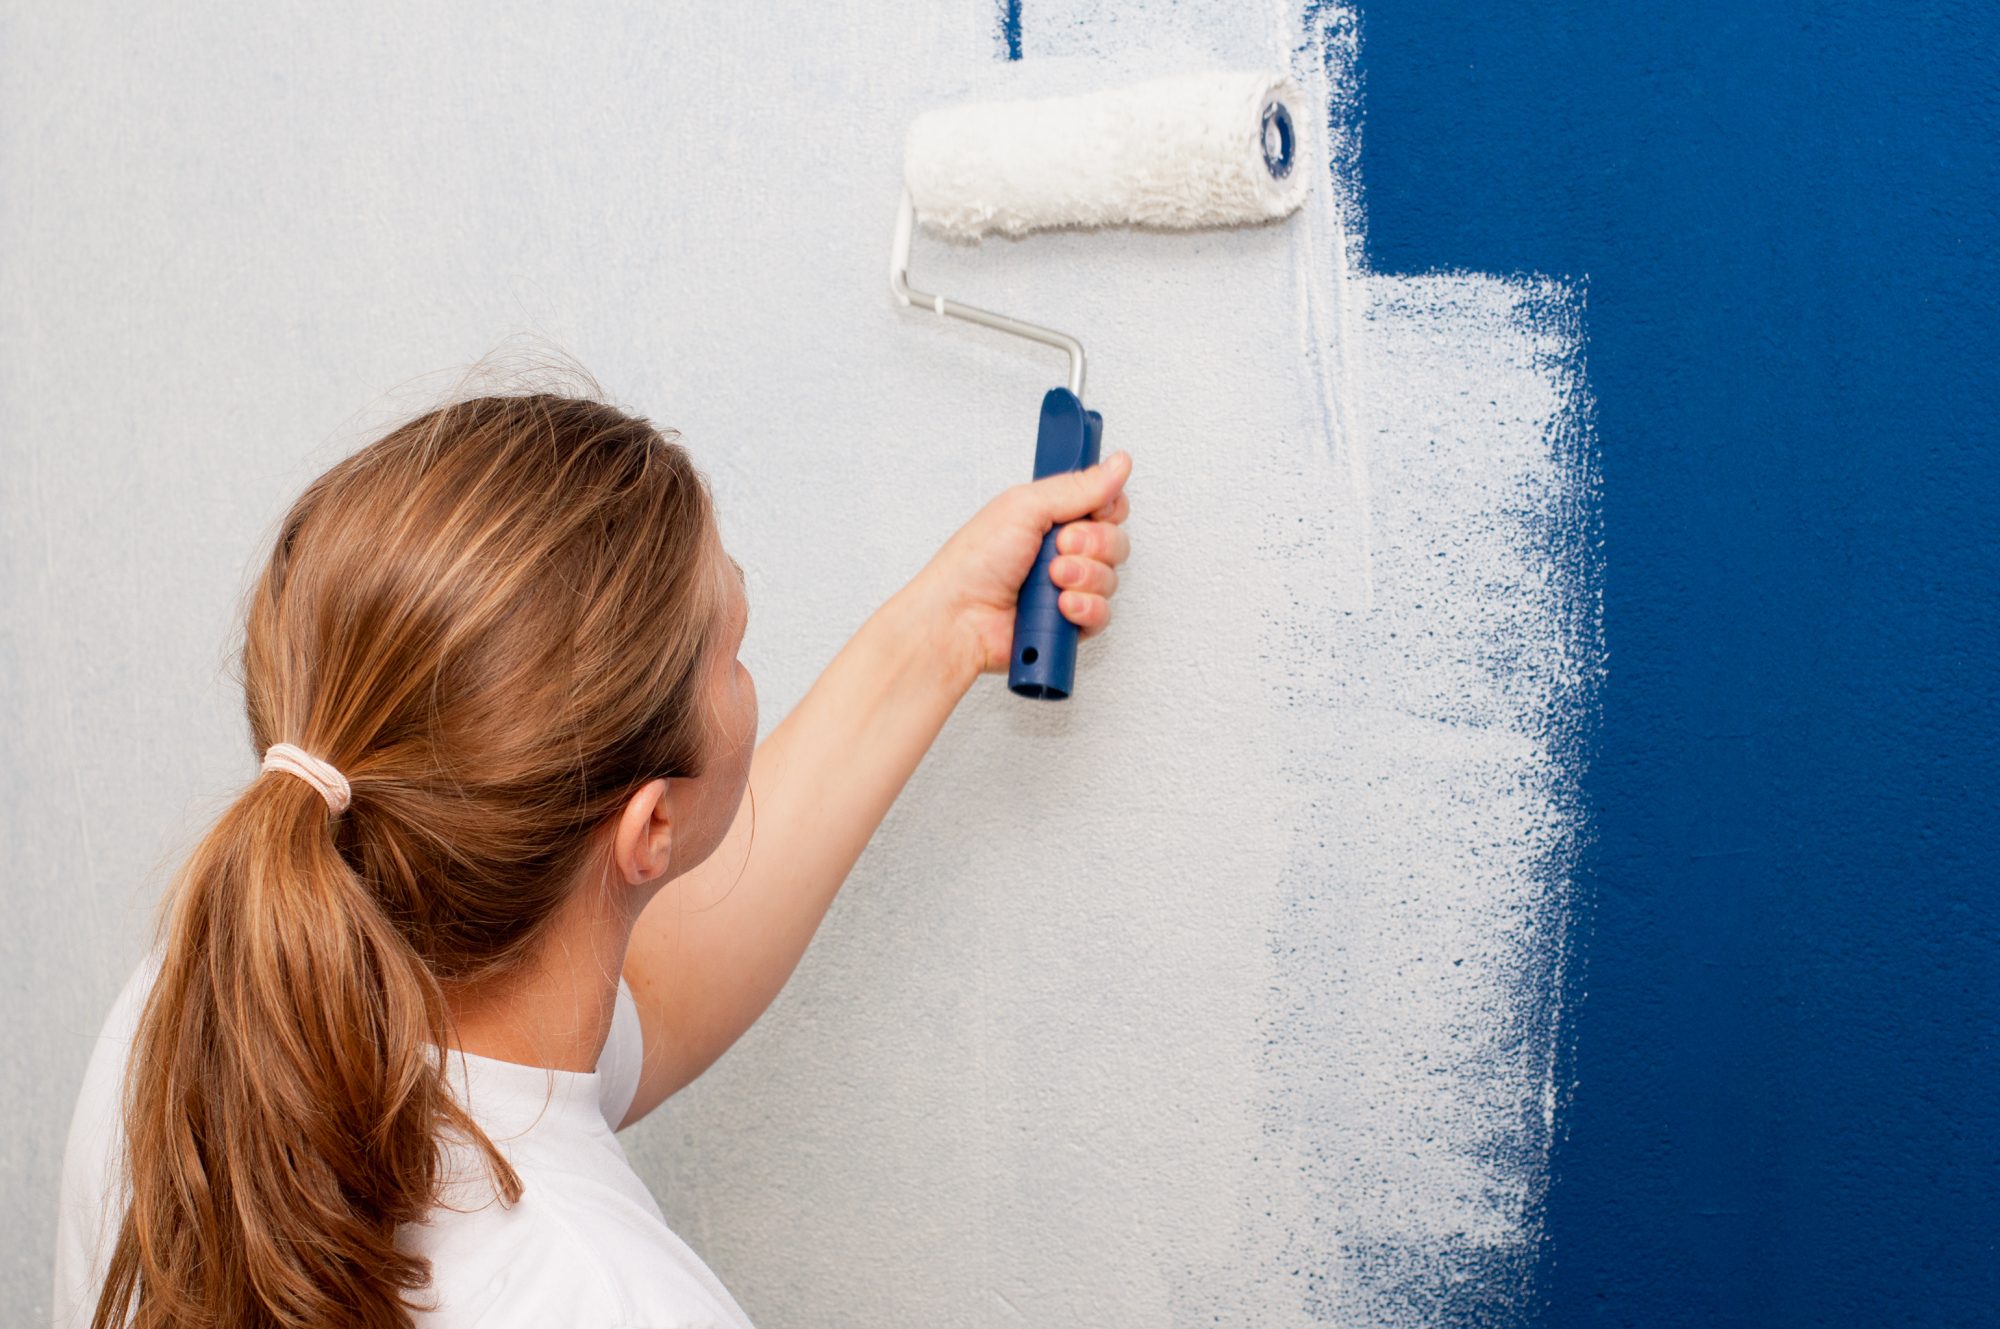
1785 1107
1234 989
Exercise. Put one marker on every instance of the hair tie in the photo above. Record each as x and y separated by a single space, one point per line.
321 775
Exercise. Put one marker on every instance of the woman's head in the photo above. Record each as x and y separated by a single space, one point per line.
497 622
500 622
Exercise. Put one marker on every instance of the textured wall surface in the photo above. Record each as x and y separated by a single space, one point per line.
1233 990
1786 1103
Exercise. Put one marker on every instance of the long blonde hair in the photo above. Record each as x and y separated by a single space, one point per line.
495 621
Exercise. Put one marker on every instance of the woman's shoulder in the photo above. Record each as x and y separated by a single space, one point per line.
573 1250
90 1199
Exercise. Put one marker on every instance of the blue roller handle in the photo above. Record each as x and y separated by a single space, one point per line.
1044 661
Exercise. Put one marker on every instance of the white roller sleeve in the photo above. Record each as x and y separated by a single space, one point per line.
1178 152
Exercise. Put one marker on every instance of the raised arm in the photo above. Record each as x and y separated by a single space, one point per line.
717 943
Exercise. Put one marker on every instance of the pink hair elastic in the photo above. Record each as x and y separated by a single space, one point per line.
321 775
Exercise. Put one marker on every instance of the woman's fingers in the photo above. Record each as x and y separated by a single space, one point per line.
1087 569
1083 574
1116 510
1089 612
1104 541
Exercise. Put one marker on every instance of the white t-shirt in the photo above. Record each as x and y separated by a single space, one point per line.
586 1245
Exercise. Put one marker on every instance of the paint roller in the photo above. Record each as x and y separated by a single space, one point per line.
1189 150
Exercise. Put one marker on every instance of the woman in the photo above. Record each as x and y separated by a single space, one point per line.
410 982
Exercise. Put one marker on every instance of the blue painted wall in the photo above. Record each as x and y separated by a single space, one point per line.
1786 1102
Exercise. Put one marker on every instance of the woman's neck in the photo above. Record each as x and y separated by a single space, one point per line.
556 1010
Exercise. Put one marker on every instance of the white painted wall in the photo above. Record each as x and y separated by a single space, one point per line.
1224 990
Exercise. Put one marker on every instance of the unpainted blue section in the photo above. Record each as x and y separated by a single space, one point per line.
1782 1092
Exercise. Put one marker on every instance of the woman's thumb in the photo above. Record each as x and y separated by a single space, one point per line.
1073 494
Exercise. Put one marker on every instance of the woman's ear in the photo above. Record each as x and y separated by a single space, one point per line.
643 839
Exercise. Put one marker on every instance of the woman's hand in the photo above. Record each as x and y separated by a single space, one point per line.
977 575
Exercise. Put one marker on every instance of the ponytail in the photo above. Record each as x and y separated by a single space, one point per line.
288 1091
492 620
